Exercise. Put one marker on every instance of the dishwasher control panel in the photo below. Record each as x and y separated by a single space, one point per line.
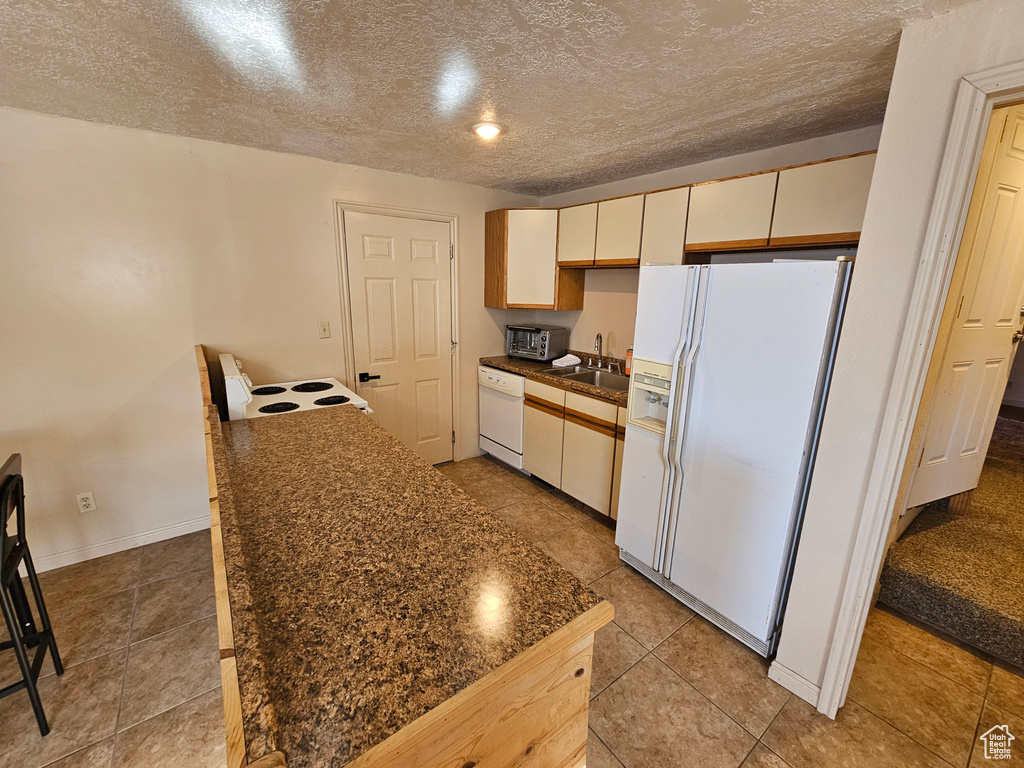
510 383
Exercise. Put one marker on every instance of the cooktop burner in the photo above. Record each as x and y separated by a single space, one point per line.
312 386
282 407
268 390
332 400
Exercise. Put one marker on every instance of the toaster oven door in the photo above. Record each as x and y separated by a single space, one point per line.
523 342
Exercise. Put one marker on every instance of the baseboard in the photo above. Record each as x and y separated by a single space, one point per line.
78 555
794 683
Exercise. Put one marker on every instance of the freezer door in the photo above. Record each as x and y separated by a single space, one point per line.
640 495
751 418
661 310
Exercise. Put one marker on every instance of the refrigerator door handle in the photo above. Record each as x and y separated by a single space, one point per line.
668 483
679 439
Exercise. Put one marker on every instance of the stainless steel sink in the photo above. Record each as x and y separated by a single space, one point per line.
602 379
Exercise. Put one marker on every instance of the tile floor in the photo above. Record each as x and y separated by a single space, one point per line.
137 633
671 690
138 637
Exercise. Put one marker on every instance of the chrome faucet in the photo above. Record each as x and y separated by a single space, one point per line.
598 347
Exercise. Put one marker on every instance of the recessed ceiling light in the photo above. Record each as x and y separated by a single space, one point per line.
487 130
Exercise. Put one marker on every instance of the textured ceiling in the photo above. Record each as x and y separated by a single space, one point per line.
590 91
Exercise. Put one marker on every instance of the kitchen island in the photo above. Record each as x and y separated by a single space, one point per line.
375 614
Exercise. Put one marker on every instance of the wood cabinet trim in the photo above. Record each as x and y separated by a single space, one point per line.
496 259
618 262
543 405
575 264
530 306
620 432
830 238
727 245
590 422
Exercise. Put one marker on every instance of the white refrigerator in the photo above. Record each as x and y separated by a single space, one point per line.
731 367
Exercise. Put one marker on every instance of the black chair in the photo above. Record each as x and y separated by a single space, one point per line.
13 600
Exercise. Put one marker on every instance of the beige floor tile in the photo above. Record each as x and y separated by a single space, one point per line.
957 664
86 630
466 472
80 706
1006 691
933 710
90 579
191 734
614 653
494 492
168 603
175 556
520 481
651 717
805 738
566 509
992 717
534 520
726 671
168 669
645 611
582 554
598 755
598 529
96 756
762 757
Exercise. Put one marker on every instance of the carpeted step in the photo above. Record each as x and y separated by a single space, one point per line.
964 574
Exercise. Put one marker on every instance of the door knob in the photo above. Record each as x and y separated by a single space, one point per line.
365 377
1017 337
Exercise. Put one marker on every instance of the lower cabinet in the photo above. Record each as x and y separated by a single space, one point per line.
588 450
543 420
620 443
575 443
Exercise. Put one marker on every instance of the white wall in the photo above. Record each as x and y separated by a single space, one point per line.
933 56
122 249
609 305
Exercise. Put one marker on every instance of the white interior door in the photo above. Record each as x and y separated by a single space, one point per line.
979 351
400 293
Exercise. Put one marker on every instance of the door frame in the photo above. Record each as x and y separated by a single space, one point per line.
348 347
977 97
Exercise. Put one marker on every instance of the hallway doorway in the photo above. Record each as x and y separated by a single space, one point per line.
956 560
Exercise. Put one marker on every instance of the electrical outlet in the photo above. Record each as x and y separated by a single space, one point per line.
325 329
86 502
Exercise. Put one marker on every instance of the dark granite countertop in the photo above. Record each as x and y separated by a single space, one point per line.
365 588
532 369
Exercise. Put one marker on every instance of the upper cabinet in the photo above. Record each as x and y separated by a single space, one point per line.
619 224
732 214
664 229
519 262
822 203
577 235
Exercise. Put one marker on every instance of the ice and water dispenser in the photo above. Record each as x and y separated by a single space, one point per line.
649 388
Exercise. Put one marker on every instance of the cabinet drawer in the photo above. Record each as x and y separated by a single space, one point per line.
546 393
599 412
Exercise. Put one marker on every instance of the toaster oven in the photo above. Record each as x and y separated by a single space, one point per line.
536 342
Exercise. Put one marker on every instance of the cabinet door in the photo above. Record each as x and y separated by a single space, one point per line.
588 450
620 444
664 226
731 214
532 239
577 234
619 223
542 432
822 203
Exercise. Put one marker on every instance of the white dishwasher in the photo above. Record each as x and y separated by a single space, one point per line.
501 414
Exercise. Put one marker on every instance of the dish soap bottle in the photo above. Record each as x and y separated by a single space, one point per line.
629 361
